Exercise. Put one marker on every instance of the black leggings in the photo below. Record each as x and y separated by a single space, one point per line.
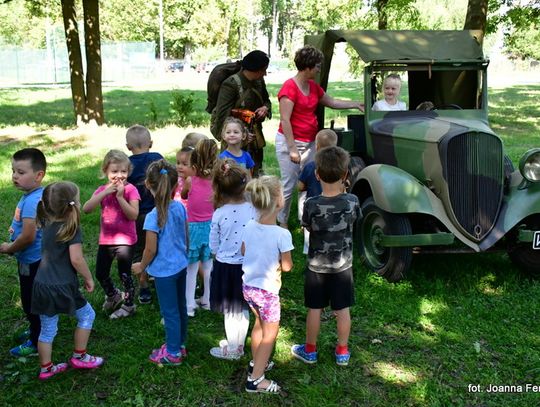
124 257
27 274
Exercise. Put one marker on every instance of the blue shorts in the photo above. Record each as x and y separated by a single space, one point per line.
199 246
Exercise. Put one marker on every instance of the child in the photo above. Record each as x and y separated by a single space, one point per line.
56 287
165 259
198 190
228 222
391 89
307 181
182 162
233 134
267 252
328 278
139 142
119 202
29 167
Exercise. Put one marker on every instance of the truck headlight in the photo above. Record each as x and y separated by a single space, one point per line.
529 165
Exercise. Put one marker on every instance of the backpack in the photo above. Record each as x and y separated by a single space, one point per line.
217 76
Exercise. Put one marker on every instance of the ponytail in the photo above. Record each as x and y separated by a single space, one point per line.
264 192
161 178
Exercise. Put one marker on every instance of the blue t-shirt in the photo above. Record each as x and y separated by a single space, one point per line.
140 163
171 256
244 160
307 176
27 208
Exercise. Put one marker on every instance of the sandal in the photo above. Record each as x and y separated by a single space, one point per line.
123 311
252 386
269 366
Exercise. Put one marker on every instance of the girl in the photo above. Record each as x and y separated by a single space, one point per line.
119 202
165 259
56 287
182 164
198 190
233 134
228 222
267 251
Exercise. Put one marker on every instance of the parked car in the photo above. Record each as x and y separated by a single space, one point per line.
177 66
433 180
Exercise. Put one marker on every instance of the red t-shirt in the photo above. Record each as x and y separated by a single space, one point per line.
303 118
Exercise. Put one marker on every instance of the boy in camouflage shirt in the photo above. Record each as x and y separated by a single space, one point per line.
329 278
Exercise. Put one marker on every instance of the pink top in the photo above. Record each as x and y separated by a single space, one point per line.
177 192
200 208
116 228
303 117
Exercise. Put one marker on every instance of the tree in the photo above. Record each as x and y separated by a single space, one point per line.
476 18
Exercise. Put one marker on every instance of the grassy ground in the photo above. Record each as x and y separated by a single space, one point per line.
458 320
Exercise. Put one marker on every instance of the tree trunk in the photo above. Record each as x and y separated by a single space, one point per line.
382 14
275 22
75 60
477 17
94 96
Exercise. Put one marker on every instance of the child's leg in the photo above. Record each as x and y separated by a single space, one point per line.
49 328
124 258
85 317
256 333
104 260
27 274
264 348
191 283
167 291
207 270
182 309
313 325
343 318
236 328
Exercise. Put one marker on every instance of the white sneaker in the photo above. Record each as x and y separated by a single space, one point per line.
223 352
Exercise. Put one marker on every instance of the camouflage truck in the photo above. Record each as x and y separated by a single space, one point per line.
433 180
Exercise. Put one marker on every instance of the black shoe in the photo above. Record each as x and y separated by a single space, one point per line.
145 296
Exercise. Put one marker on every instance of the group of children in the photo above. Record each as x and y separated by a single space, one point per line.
206 215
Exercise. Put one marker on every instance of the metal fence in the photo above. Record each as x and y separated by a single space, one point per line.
121 61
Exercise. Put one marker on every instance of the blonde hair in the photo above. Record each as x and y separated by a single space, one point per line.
192 139
60 202
138 136
228 181
204 157
161 179
393 76
326 138
115 157
234 120
264 192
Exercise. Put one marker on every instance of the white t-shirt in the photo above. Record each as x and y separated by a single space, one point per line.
263 247
226 230
382 105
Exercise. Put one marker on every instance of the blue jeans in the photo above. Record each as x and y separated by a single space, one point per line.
171 292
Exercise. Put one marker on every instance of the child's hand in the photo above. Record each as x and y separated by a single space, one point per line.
119 189
136 268
111 189
89 285
4 248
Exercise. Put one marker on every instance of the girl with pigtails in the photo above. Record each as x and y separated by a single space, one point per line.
165 259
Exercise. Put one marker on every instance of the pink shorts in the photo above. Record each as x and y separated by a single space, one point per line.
264 302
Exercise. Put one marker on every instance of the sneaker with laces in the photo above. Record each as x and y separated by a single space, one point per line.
113 302
223 351
145 296
183 350
55 369
201 304
24 349
123 312
299 352
343 359
164 358
86 362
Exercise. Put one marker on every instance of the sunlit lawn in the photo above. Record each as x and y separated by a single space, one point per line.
457 320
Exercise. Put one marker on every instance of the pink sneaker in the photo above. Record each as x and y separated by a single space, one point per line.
164 358
183 350
55 369
89 362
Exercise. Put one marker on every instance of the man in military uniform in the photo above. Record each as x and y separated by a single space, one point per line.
246 90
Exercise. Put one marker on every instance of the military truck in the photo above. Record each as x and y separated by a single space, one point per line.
434 180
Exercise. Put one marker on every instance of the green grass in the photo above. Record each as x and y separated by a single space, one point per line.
457 320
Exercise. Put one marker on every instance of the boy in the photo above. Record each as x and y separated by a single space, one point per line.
328 278
307 181
28 165
139 142
391 89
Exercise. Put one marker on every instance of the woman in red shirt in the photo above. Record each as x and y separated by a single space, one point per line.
298 100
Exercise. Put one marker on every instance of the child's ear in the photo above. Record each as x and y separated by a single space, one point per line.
40 175
317 176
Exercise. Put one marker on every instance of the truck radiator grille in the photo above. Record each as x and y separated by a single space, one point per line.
474 172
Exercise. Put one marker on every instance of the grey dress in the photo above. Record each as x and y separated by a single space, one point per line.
56 287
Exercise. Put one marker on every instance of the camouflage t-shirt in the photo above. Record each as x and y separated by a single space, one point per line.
330 221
